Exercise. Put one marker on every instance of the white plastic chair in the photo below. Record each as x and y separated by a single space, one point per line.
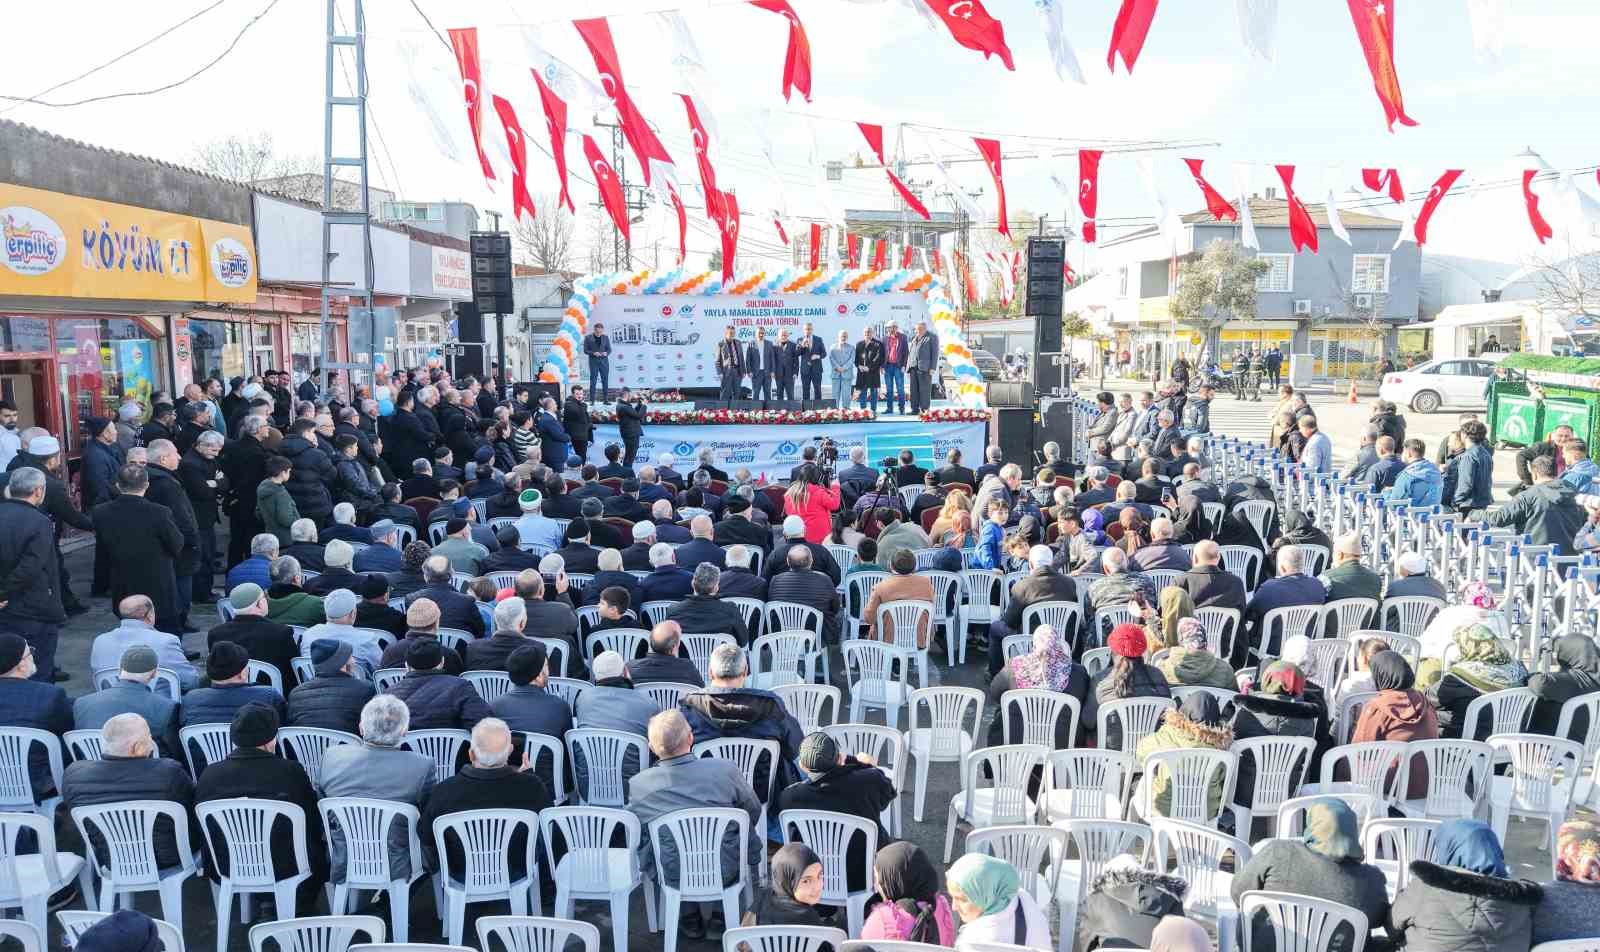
166 680
364 824
872 663
408 947
628 642
1412 613
490 685
1590 704
242 827
568 689
444 746
1190 772
792 616
1301 923
858 588
949 615
1244 562
517 933
1224 696
845 556
1373 768
1258 513
751 756
128 832
16 784
307 746
1509 711
1349 714
807 702
1085 783
1316 557
1291 818
535 746
698 646
603 754
1458 772
1281 764
1281 624
697 835
1064 617
1407 646
887 747
334 933
1096 660
1392 845
1533 788
1108 618
779 658
903 618
385 678
259 672
456 639
1222 627
74 923
26 934
947 738
1034 852
982 588
753 609
1004 801
1039 710
1137 716
790 939
28 880
1325 660
1196 854
656 611
830 835
485 837
204 745
666 694
591 868
1096 842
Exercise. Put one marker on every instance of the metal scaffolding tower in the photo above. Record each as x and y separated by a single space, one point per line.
346 111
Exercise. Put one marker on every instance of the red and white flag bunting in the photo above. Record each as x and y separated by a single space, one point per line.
1536 219
1129 31
610 189
1374 22
647 149
1088 190
990 150
971 26
1302 229
517 145
464 43
874 137
797 57
1219 207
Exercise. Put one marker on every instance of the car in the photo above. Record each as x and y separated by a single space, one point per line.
989 366
1457 384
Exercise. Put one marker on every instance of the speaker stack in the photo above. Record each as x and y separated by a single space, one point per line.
1046 290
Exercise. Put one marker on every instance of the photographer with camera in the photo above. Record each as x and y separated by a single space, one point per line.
884 494
812 501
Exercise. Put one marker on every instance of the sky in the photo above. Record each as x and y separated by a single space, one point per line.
1195 84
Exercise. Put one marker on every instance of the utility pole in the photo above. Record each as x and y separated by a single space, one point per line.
352 109
632 200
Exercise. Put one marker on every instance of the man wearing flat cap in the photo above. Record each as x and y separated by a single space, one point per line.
334 698
126 930
341 606
133 692
839 783
263 640
254 769
436 698
229 690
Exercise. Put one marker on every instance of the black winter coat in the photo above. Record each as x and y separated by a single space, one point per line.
1267 715
1146 681
630 420
168 491
440 700
263 775
333 702
142 544
405 440
266 641
30 581
1125 906
351 485
244 462
854 789
308 484
117 780
98 473
196 473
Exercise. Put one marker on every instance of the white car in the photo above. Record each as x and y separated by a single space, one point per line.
1439 384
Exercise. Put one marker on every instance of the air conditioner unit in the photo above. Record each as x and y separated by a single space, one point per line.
1303 306
1363 301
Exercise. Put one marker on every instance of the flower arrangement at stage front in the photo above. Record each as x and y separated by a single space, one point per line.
736 417
660 396
953 415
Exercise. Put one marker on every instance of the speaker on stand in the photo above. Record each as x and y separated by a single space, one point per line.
1046 289
1011 429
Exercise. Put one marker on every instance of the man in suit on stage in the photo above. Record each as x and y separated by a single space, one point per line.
922 360
597 347
788 364
869 362
895 347
761 359
813 354
730 365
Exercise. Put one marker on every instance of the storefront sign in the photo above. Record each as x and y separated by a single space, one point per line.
65 246
183 350
451 273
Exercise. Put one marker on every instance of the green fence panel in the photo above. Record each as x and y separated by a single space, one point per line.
1514 418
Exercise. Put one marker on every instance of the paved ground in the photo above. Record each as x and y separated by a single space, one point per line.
1526 852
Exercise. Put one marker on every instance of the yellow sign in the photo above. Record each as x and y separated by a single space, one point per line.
65 246
1256 335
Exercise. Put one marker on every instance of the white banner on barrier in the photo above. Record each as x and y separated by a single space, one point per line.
774 450
670 340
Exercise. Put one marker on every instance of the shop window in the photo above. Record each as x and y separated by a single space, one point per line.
100 361
1280 273
217 349
24 335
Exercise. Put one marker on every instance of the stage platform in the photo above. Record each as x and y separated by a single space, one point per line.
773 450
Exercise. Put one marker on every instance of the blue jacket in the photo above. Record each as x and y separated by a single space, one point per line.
218 704
990 555
98 475
378 558
555 444
1281 592
38 705
1383 472
1582 475
92 710
1475 478
257 569
1420 484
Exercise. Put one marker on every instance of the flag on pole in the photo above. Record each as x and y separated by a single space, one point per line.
1088 190
517 145
1385 180
777 223
907 255
874 137
464 43
797 57
610 189
1374 20
1541 227
702 156
990 150
1302 230
1331 204
729 203
879 250
971 26
1258 25
683 224
816 245
1129 32
852 251
1247 226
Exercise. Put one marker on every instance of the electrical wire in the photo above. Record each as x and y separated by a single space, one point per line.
31 100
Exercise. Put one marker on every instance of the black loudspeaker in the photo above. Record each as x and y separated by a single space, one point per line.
491 272
1046 286
1010 393
469 330
1011 429
1055 423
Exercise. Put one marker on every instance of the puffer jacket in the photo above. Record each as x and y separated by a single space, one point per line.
313 475
746 712
120 779
1192 668
351 485
1420 484
1178 732
1271 715
330 701
1126 904
1444 909
439 700
1146 681
276 510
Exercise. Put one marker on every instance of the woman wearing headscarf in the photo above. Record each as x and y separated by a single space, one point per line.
1276 708
985 892
1399 713
1299 530
1326 862
1570 908
1190 663
1464 899
1577 673
1094 526
1128 676
1125 905
1476 606
1048 666
796 887
1178 934
913 909
1161 623
1483 666
1197 722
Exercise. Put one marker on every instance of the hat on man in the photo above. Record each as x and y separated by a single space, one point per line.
227 659
642 531
525 663
253 725
508 536
818 752
375 586
737 503
485 454
93 426
608 664
328 655
381 528
1413 563
45 445
425 654
794 527
250 391
126 930
244 595
452 526
12 649
591 508
461 507
576 529
138 659
529 500
339 603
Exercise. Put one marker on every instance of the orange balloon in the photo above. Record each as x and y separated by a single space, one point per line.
548 376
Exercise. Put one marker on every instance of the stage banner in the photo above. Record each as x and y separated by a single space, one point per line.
774 450
670 340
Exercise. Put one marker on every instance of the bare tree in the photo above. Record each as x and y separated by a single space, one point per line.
1567 287
547 240
253 158
597 239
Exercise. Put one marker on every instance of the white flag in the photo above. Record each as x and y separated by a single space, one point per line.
1258 26
830 241
690 66
1488 27
947 255
929 18
1247 225
1055 39
1334 178
582 95
419 79
1167 221
956 191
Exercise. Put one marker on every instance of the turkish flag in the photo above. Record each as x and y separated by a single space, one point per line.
610 189
937 260
646 147
990 149
1088 189
816 245
465 44
777 223
906 256
797 58
730 232
683 224
879 250
517 145
555 121
702 157
1218 206
1431 203
1302 230
852 251
1129 32
1385 180
971 26
1374 20
966 277
1541 228
874 137
1068 273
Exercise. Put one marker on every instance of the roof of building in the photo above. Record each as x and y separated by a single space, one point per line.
79 143
1274 213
